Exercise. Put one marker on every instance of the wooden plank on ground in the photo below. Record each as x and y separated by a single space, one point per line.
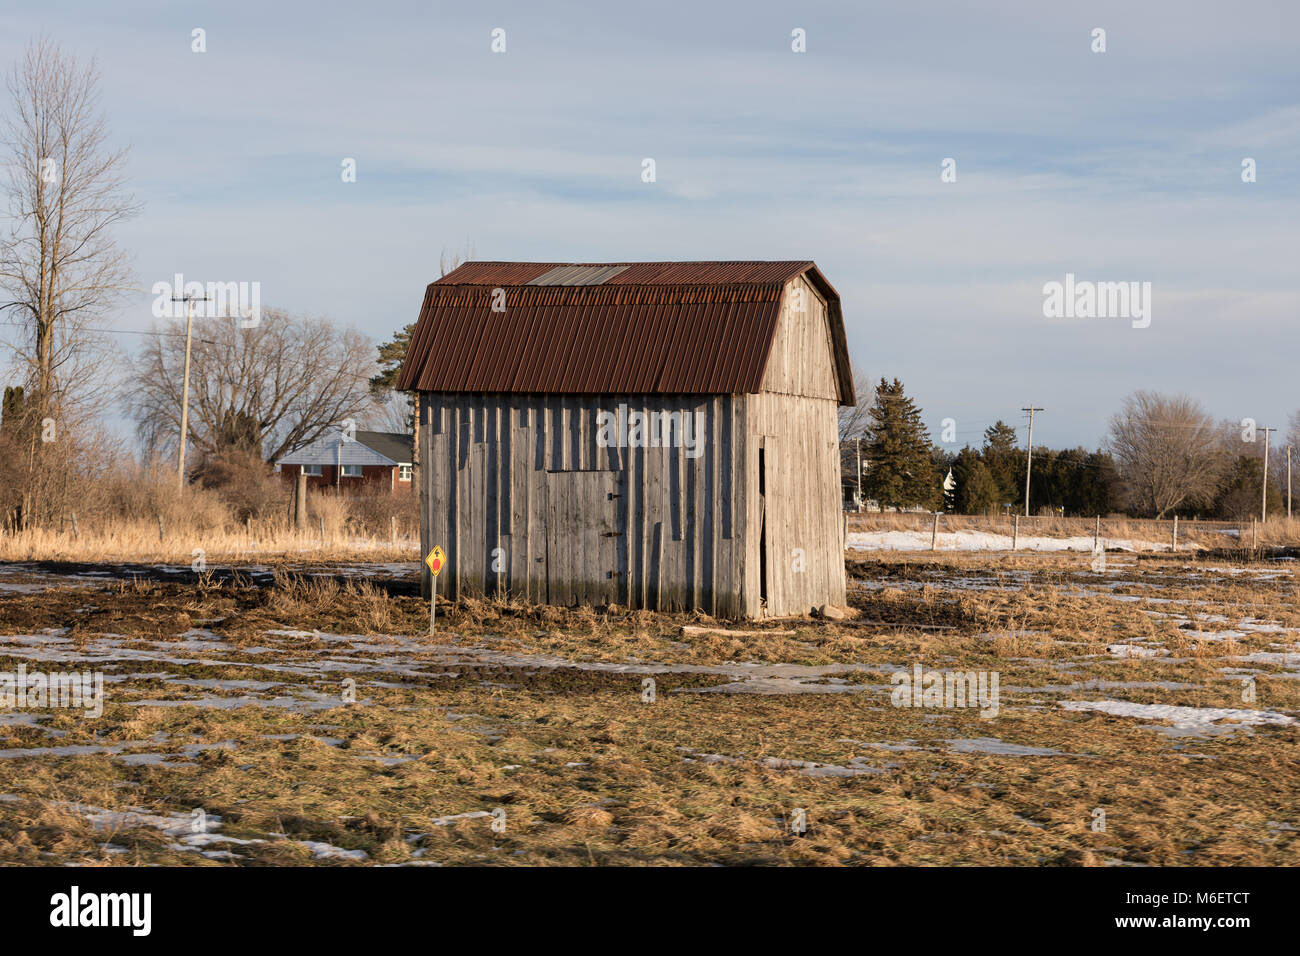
692 630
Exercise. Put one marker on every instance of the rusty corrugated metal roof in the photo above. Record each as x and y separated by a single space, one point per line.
598 328
630 273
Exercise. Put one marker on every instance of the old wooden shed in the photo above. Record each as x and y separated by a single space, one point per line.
650 434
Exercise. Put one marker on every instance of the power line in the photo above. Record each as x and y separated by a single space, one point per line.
123 331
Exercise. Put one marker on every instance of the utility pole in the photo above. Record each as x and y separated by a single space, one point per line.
1288 482
858 443
1263 494
185 389
1029 459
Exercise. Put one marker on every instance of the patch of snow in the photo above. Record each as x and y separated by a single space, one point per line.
1134 650
327 851
991 745
986 541
1197 720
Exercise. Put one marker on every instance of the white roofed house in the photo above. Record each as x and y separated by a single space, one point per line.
365 462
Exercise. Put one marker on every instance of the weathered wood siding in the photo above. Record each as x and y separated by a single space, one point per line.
801 361
526 503
798 542
798 514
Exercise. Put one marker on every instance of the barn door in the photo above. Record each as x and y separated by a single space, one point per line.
585 547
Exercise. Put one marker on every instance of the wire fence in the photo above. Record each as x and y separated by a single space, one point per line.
912 531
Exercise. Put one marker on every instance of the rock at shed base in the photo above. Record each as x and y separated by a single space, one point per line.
835 612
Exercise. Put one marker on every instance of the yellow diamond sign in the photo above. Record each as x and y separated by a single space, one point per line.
435 560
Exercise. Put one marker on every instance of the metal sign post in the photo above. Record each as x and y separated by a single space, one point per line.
436 560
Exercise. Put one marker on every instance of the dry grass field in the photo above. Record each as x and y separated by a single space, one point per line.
1146 716
973 532
141 542
140 516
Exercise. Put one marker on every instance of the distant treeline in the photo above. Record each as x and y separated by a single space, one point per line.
1164 456
991 479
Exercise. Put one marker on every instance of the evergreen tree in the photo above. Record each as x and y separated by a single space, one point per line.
1078 482
1083 483
976 492
1239 498
11 412
1054 475
1100 494
900 473
942 460
393 352
1005 462
391 356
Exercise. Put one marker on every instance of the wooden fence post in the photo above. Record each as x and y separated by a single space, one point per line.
392 530
1015 531
1175 543
76 533
934 533
300 501
322 530
1096 535
160 528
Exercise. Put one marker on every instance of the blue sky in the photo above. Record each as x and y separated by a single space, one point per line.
1123 165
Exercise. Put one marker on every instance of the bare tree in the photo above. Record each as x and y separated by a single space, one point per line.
401 413
393 352
1168 451
393 412
854 423
451 259
269 389
65 482
59 266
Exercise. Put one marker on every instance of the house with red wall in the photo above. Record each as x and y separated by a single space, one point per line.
362 463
